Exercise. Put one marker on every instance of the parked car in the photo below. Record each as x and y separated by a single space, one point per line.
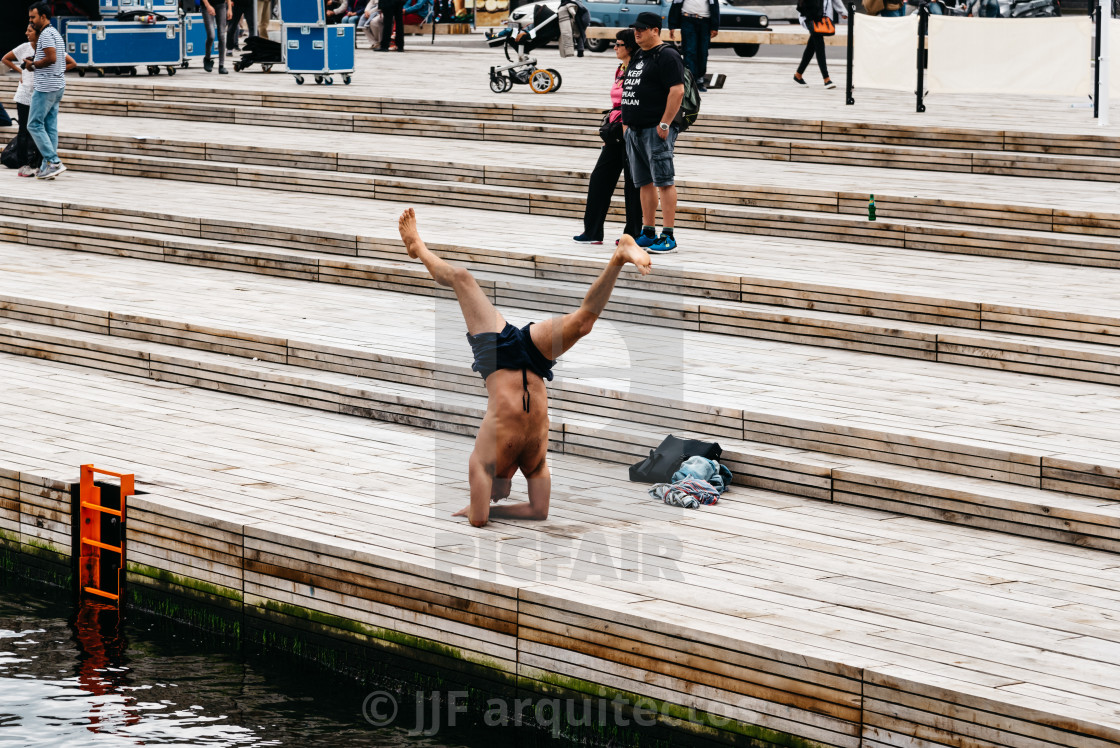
623 13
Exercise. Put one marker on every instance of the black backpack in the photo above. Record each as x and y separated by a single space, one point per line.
667 458
690 104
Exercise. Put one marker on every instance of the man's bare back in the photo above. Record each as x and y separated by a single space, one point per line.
514 432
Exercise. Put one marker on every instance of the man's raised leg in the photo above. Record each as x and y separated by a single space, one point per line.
479 313
556 335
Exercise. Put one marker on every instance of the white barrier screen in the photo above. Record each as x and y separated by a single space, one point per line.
885 53
1114 59
1032 56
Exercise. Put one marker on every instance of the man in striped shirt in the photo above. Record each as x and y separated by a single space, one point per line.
49 65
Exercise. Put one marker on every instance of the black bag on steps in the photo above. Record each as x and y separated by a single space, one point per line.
9 156
667 458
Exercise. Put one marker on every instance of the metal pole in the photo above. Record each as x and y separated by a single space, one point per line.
923 29
851 48
1097 59
1101 101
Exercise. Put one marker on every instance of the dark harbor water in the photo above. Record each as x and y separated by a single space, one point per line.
78 680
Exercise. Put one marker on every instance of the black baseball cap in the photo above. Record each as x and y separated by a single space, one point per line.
647 20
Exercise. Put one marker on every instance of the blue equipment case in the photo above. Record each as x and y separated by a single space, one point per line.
303 12
110 8
121 46
194 39
320 51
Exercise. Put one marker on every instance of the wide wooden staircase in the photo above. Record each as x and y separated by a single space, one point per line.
956 359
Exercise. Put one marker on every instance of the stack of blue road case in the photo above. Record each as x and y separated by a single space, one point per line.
312 47
122 46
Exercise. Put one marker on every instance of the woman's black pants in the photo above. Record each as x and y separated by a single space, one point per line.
815 46
604 178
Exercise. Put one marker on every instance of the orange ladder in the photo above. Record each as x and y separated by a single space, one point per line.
91 546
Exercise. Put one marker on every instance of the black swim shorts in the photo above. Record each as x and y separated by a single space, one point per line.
512 348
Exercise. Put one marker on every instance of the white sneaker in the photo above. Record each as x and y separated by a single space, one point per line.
50 171
26 171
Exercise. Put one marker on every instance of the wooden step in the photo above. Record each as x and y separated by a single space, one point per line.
1044 141
389 391
1024 204
993 425
880 155
1010 352
831 624
990 308
1028 245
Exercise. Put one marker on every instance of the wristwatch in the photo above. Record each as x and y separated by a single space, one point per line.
663 126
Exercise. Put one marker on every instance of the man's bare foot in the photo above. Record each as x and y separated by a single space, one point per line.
629 251
464 512
409 233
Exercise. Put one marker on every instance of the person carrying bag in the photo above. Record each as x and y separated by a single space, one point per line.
817 17
21 153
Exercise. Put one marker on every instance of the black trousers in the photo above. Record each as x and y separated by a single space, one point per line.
27 152
815 46
241 8
600 190
392 15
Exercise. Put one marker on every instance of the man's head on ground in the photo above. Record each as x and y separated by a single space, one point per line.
647 30
39 15
624 44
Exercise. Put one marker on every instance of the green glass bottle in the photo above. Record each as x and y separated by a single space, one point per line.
871 209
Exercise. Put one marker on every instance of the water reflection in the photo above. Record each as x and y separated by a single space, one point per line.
87 680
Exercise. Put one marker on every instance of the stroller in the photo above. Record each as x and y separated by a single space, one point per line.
260 51
544 29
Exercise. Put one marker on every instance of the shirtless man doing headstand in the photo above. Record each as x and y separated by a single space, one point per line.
514 363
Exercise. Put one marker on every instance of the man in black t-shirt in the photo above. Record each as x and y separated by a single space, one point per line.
652 91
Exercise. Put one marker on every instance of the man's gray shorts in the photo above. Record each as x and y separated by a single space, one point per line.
651 158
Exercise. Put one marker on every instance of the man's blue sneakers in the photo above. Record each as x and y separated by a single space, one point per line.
644 240
665 244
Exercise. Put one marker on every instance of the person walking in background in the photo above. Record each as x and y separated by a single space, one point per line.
392 15
264 17
612 159
581 19
698 21
26 153
215 15
241 9
652 92
811 12
49 66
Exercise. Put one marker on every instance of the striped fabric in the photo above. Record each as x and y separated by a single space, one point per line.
52 77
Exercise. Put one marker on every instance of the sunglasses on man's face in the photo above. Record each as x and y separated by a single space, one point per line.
619 44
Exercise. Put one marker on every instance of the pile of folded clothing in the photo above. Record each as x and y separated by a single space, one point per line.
698 481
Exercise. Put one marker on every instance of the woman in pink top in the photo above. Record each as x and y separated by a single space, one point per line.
612 160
